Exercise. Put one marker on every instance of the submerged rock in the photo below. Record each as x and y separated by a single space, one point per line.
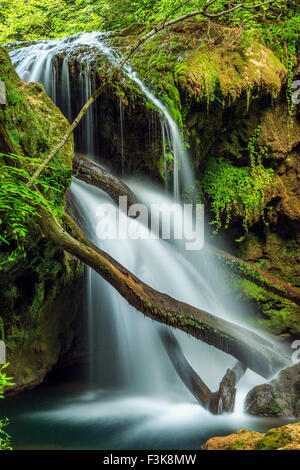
281 397
283 438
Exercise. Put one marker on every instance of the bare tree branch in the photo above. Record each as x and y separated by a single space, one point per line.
67 135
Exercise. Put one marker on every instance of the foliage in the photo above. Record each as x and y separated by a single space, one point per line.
4 380
4 437
19 204
283 36
238 191
36 19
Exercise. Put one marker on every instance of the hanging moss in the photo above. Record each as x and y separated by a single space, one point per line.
235 191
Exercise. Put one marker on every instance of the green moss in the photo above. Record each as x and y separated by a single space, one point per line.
31 120
228 73
274 439
235 191
279 315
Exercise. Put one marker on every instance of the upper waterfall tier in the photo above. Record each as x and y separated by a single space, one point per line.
52 64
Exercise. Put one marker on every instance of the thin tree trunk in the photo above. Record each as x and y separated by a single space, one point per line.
67 135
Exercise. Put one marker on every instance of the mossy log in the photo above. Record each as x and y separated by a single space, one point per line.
254 274
254 351
95 175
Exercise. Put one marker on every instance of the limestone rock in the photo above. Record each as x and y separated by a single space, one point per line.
283 438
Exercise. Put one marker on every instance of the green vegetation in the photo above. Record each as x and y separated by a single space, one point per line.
4 437
19 204
280 316
238 191
235 191
30 125
35 19
275 439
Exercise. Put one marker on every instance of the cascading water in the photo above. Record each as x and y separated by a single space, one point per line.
36 63
140 399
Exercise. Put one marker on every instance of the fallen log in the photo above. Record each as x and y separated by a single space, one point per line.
93 174
256 275
254 351
221 401
187 374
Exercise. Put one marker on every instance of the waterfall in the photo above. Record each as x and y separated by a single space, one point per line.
36 63
122 134
126 353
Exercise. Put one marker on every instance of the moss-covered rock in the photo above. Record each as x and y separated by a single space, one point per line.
39 295
240 440
280 397
283 438
31 124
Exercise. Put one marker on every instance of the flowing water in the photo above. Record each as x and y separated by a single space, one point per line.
37 63
132 398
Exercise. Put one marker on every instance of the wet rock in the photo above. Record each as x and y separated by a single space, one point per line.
281 397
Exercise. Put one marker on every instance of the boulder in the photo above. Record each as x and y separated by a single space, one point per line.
280 397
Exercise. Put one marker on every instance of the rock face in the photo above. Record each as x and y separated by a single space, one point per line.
40 296
280 397
283 438
218 119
